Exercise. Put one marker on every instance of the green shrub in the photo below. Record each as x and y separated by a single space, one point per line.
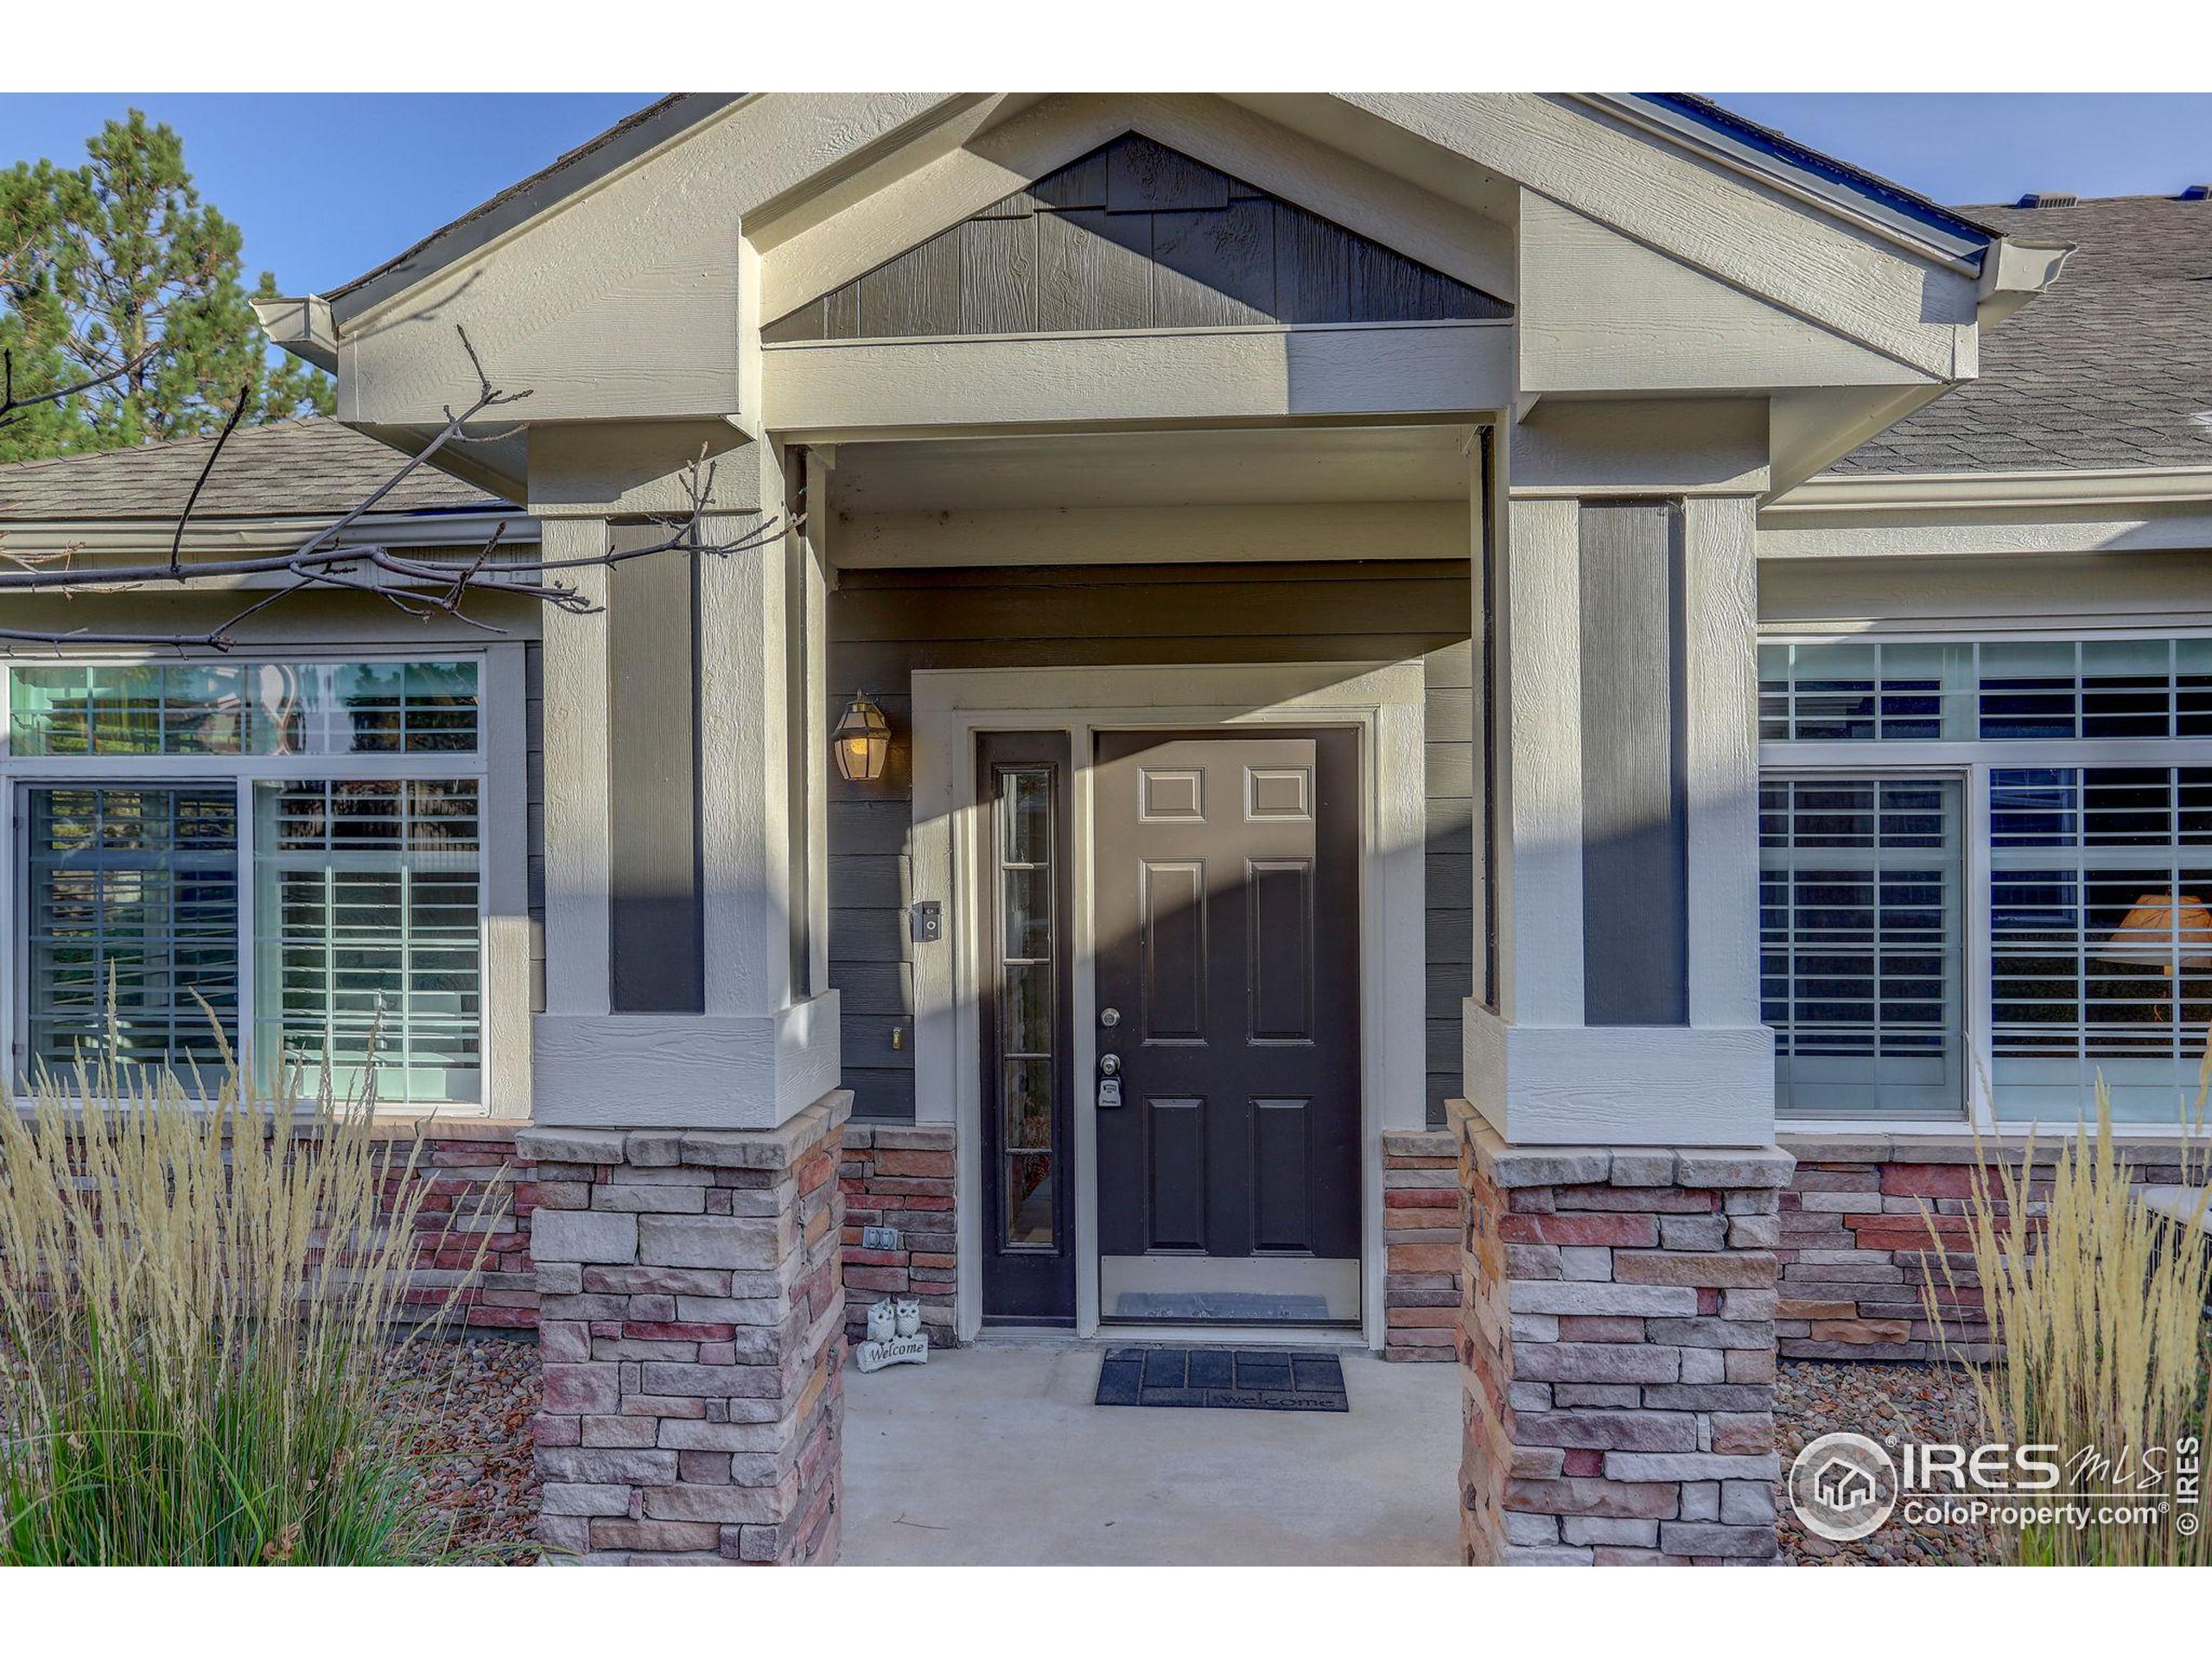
201 1298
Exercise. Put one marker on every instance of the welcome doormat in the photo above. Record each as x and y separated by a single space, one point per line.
1236 1379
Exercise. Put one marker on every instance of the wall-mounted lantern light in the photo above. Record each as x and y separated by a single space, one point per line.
862 742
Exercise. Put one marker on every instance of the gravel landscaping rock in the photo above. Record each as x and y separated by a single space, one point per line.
472 1402
1890 1403
469 1405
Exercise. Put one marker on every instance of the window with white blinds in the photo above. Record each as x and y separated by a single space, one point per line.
133 895
1862 970
298 845
365 936
2100 929
2077 776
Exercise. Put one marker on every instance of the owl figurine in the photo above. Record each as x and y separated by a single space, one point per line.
883 1321
907 1312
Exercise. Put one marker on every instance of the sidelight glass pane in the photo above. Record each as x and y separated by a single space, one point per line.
1028 1006
1027 809
132 892
367 946
1028 1116
1029 1200
1028 934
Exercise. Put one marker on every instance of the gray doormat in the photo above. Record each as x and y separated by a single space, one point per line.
1240 1379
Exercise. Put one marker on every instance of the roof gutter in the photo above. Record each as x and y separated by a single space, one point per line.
2014 272
303 326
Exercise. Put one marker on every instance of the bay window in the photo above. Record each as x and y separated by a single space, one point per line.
297 845
1986 877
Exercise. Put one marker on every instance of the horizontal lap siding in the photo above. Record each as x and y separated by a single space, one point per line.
884 625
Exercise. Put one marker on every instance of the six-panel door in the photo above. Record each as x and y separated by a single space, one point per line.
1228 949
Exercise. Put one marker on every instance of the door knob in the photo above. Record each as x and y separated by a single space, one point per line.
1110 1064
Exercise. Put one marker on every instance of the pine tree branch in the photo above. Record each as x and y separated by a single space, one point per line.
9 403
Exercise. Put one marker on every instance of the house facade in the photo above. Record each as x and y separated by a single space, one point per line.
1489 726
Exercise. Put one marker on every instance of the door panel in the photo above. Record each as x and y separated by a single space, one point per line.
1172 993
1175 1166
1228 949
1281 948
1282 1175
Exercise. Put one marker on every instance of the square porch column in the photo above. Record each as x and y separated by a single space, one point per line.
1616 1337
687 1114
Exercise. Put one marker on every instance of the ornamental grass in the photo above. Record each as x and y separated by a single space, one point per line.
202 1293
2095 1305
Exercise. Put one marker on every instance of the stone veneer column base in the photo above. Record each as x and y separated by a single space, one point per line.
1616 1347
1422 1205
898 1176
691 1319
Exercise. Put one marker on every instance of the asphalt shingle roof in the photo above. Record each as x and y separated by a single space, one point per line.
2111 367
308 468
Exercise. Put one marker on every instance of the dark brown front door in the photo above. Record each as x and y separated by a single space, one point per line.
1228 995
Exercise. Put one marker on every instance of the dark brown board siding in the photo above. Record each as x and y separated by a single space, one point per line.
884 625
1135 236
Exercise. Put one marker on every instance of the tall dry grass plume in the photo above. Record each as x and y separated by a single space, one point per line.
2095 1305
202 1294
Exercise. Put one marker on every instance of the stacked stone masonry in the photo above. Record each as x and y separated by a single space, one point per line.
898 1176
691 1324
1617 1352
478 1194
1420 1237
1861 1225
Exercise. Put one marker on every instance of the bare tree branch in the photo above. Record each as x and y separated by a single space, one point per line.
214 454
425 588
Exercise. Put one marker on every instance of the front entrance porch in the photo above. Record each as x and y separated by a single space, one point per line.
995 1455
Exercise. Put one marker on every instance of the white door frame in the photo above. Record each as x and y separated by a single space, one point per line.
1383 701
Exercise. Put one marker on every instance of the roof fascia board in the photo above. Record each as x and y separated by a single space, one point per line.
1951 491
848 151
624 147
861 176
1741 231
1959 248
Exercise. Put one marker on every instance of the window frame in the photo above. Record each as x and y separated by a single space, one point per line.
497 765
1973 853
1972 759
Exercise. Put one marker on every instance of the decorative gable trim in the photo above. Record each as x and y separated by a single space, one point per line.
1134 235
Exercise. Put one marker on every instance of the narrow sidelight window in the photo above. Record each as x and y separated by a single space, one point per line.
1028 1013
1026 992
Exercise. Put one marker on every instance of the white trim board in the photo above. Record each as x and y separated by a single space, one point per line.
1383 702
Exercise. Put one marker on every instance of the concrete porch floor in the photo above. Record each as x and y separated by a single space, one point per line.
995 1456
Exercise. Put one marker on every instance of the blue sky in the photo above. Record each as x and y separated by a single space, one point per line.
327 186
